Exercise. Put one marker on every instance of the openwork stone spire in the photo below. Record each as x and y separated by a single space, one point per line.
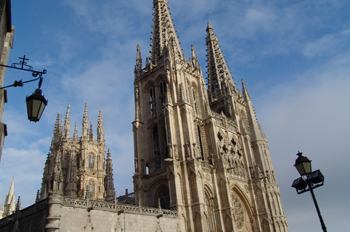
164 34
220 82
67 123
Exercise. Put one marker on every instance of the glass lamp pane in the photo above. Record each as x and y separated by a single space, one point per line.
36 108
307 167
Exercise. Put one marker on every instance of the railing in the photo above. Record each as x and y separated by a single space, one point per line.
120 208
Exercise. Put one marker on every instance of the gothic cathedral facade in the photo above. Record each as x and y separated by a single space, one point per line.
200 150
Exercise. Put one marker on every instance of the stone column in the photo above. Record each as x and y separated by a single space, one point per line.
53 219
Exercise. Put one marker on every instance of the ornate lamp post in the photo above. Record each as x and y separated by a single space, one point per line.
36 102
308 181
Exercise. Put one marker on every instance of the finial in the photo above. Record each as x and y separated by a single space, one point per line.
209 26
85 110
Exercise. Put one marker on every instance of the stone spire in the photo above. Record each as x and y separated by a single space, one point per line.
85 132
55 137
67 123
138 66
109 185
100 129
91 133
10 200
256 130
220 82
164 34
75 134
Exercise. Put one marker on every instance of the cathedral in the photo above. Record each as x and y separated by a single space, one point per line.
202 161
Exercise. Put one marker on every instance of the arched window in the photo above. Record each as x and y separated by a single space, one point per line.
200 141
147 169
194 100
156 148
91 160
162 87
91 189
152 101
210 210
164 198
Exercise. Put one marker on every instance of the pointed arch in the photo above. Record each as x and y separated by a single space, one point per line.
243 211
208 198
163 196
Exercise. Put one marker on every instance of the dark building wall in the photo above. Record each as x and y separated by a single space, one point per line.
31 219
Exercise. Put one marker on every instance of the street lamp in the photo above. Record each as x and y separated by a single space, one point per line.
308 181
36 102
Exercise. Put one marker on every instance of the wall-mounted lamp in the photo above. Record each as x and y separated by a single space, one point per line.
36 102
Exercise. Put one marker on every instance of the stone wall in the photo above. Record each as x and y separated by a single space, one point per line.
30 219
85 215
58 213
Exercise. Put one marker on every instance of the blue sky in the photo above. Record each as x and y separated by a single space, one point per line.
293 55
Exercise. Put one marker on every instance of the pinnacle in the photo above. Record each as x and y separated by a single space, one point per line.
194 56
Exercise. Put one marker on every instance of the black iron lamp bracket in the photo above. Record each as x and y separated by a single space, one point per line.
22 65
310 186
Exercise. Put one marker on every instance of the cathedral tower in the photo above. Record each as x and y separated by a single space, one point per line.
77 167
197 150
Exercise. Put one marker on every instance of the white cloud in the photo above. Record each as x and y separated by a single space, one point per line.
328 44
310 114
